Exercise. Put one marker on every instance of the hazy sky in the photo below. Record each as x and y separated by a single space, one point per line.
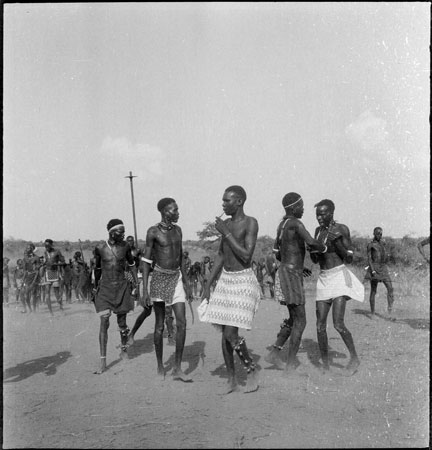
330 100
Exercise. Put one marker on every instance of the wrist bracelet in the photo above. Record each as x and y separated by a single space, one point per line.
350 252
325 249
149 261
229 234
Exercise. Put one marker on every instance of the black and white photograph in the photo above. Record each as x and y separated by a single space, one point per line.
216 225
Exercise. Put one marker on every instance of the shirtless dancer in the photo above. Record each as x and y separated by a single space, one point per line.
336 283
378 270
113 291
53 263
290 249
234 302
6 281
31 276
169 284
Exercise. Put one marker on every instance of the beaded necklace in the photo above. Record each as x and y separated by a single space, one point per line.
165 226
329 228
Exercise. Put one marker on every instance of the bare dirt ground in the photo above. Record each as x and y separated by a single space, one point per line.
52 399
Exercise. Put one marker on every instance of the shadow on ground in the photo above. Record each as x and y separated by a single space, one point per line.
192 355
416 324
47 365
240 371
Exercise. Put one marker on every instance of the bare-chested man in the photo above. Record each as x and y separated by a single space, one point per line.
79 278
169 285
112 259
378 270
31 276
6 281
290 249
53 271
234 302
336 283
18 277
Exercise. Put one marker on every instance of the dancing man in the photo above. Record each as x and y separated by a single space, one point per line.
290 249
336 283
234 302
113 290
378 271
169 286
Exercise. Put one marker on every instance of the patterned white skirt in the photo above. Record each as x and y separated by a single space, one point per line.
235 300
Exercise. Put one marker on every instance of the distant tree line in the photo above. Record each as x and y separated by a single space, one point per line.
402 251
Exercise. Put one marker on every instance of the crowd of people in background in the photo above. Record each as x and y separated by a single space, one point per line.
76 277
163 278
37 280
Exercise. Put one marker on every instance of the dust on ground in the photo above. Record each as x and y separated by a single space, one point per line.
52 399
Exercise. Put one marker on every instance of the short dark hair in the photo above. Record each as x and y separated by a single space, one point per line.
290 198
163 202
238 190
49 241
377 228
326 202
113 223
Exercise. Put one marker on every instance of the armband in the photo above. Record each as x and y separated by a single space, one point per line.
276 250
148 261
350 252
131 265
325 249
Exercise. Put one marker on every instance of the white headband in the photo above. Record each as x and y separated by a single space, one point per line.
116 226
287 206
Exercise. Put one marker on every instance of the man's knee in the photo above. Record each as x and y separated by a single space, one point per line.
339 326
121 321
321 327
104 320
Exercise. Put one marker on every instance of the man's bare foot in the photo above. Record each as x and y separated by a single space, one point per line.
102 367
124 355
273 358
161 373
130 340
352 366
231 386
178 374
252 381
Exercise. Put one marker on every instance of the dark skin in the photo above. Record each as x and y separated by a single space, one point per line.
377 255
337 238
164 245
292 251
31 264
53 258
239 235
18 276
6 281
112 268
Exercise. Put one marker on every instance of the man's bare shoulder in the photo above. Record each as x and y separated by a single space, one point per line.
153 230
251 221
341 228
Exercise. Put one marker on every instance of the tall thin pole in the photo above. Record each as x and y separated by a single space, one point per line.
133 206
